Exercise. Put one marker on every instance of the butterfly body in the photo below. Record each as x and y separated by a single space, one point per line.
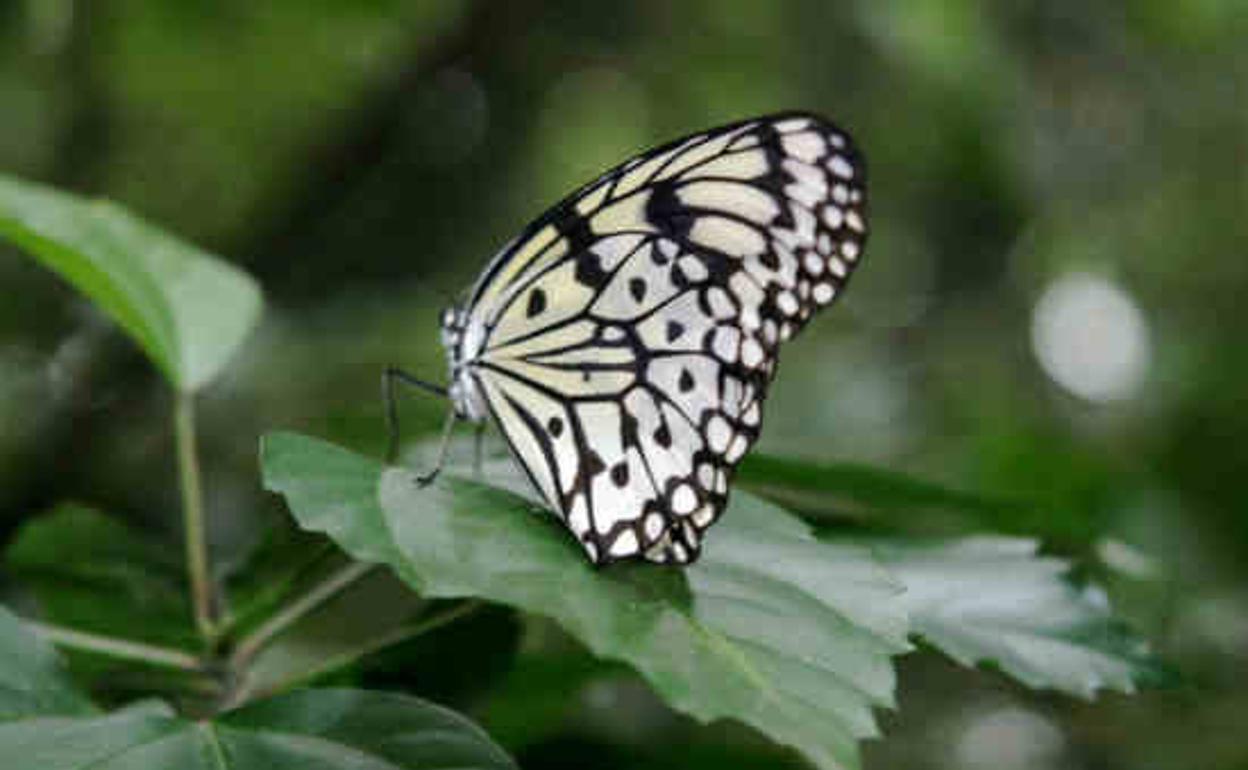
625 341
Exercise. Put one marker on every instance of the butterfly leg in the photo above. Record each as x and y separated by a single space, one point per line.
390 376
426 479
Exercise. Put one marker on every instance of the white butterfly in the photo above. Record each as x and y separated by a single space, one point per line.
624 343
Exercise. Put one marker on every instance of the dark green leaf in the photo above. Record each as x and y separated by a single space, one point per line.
92 572
33 680
993 599
310 730
771 627
188 310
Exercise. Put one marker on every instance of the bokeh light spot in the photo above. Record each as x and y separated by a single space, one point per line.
1091 338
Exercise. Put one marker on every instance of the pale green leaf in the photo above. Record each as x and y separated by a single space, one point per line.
994 600
771 627
33 679
188 310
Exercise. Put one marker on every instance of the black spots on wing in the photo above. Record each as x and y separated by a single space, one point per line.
663 436
769 260
685 382
592 464
575 228
659 258
718 265
589 270
637 288
674 330
619 474
537 303
554 426
666 213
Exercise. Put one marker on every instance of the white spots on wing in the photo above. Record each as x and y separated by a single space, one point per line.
726 343
703 516
838 268
752 415
849 249
612 333
693 269
840 194
720 304
823 293
654 525
718 434
684 500
706 475
792 124
833 217
838 165
738 448
813 262
854 220
730 236
625 544
749 298
787 303
752 353
806 146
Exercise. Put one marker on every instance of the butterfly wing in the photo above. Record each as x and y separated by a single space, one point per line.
624 343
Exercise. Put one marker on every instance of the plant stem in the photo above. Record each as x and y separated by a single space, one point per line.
403 633
117 648
202 599
256 641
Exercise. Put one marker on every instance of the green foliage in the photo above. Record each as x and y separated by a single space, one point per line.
91 571
771 627
993 600
187 310
33 679
46 724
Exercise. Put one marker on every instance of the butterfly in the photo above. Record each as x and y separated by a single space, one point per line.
623 344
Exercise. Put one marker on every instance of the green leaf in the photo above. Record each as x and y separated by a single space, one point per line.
771 626
94 573
187 309
33 679
994 600
311 730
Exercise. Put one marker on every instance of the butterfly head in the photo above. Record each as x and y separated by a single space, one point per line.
463 390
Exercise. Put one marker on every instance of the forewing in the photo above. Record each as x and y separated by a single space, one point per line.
630 334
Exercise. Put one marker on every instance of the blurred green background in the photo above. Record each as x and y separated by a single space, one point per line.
1052 307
